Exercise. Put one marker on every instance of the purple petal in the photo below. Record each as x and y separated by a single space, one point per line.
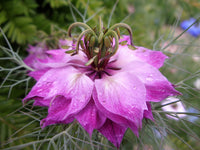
57 111
37 74
41 102
113 132
123 95
125 38
67 82
154 58
90 117
157 85
115 117
148 113
56 58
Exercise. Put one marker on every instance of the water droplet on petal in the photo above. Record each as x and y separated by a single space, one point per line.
149 78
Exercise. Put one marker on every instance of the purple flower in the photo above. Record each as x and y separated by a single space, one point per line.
193 30
39 54
105 86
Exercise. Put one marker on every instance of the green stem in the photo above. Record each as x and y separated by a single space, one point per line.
127 27
113 33
78 24
80 36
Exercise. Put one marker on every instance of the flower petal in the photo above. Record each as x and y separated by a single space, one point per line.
157 85
56 58
120 120
67 82
39 101
122 94
37 74
154 58
113 132
90 117
148 113
57 112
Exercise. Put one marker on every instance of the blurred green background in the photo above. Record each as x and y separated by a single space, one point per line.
155 24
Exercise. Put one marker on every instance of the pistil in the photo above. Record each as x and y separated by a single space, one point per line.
98 45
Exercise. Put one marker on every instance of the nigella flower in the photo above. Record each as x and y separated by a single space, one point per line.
39 53
193 30
173 104
102 84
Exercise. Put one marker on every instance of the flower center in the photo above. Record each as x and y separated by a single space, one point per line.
98 43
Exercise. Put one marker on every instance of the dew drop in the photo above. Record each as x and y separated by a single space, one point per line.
149 78
103 101
39 90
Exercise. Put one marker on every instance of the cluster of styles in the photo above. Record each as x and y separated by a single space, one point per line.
100 79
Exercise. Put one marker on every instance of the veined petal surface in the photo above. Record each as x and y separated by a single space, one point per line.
121 94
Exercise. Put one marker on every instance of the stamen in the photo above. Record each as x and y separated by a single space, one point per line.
107 73
91 61
114 68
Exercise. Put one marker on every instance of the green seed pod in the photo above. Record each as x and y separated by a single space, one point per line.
111 39
118 32
87 38
92 41
82 44
107 42
100 37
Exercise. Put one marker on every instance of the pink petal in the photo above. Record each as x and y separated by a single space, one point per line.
37 74
90 117
125 38
41 102
113 132
123 57
66 42
115 117
59 58
122 95
154 58
56 58
67 82
157 85
148 113
57 112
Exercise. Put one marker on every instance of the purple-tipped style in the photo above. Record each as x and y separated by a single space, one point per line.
104 85
194 30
